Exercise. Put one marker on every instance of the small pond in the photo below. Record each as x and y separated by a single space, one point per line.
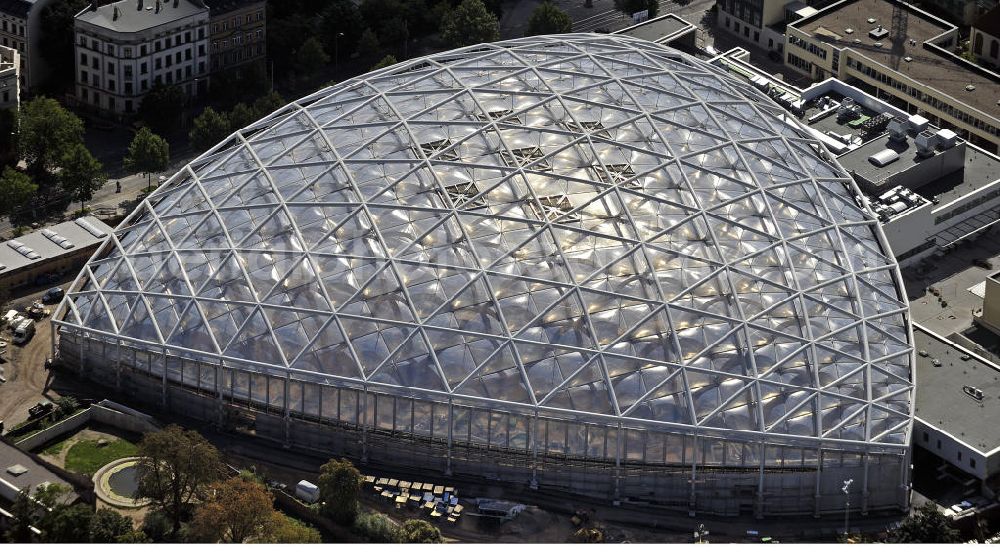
125 482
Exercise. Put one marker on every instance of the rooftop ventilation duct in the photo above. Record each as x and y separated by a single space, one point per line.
897 129
926 142
947 138
917 123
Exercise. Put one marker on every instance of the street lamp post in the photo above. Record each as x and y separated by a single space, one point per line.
336 49
847 505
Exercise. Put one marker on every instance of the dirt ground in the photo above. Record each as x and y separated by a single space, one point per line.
24 367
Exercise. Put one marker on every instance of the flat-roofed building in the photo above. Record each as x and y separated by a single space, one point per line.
58 249
990 315
961 12
668 29
18 470
238 32
904 55
125 48
20 29
957 405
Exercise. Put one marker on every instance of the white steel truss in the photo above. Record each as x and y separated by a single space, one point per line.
585 225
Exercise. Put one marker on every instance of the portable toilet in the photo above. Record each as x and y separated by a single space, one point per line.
307 491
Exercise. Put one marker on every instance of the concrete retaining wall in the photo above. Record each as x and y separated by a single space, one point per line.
98 413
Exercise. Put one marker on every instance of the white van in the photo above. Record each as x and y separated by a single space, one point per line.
24 331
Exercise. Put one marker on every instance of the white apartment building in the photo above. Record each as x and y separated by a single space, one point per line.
761 22
985 38
20 29
10 85
125 48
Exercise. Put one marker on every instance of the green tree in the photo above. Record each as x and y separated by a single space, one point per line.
469 24
134 536
81 174
16 189
241 116
56 44
289 530
420 531
311 58
161 106
548 19
368 45
209 128
267 104
377 528
23 511
148 153
108 525
339 486
8 130
926 525
387 60
238 510
47 131
175 467
629 7
66 524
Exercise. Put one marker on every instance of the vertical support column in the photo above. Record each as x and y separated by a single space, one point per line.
451 433
52 340
118 364
819 477
692 499
866 457
362 409
905 475
83 364
619 443
288 411
533 442
760 482
163 390
219 398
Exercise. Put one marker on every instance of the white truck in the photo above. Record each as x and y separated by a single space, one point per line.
23 331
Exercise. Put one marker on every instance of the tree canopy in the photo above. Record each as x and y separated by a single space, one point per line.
23 511
420 531
47 131
387 60
926 525
548 19
81 174
208 129
66 524
175 467
148 153
16 188
311 58
161 107
469 24
339 486
109 526
237 510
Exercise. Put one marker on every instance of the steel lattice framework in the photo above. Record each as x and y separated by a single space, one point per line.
593 226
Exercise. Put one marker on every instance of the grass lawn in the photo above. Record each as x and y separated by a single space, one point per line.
86 457
55 448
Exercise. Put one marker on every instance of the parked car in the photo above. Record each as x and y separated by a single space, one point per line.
53 295
39 409
23 331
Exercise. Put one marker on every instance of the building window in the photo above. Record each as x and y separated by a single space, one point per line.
939 444
187 36
128 52
959 455
111 68
83 58
142 50
978 48
111 50
111 85
994 48
926 437
128 106
143 68
972 462
756 36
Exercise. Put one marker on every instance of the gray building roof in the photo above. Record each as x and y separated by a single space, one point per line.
51 242
16 8
32 473
941 401
662 29
129 16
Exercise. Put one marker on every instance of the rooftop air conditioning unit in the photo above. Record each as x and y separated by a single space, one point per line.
897 129
926 142
947 138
